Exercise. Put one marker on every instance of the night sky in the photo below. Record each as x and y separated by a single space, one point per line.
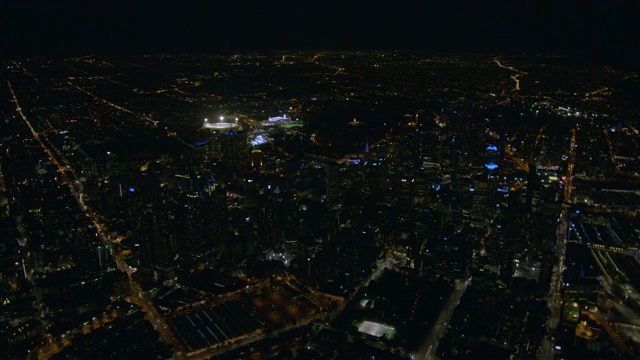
596 31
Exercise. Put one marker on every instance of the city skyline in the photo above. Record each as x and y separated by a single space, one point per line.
319 180
333 204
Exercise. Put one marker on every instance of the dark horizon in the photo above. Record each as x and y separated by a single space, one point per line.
597 32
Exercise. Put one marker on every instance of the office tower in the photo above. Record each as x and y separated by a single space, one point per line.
235 153
492 158
257 159
484 188
480 197
222 149
332 182
157 235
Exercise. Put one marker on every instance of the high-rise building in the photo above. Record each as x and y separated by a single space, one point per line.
235 153
256 159
479 207
484 188
157 235
492 158
223 149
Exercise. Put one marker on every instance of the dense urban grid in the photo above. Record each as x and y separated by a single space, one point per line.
307 205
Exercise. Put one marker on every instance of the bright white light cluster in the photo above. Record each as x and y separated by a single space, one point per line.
259 140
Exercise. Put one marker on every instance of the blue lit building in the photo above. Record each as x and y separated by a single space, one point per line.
492 159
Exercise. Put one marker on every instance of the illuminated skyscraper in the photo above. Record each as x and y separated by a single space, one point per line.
256 159
492 159
484 187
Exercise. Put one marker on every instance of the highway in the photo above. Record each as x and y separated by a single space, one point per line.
513 77
545 352
70 178
109 103
430 344
572 159
613 333
2 185
602 89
